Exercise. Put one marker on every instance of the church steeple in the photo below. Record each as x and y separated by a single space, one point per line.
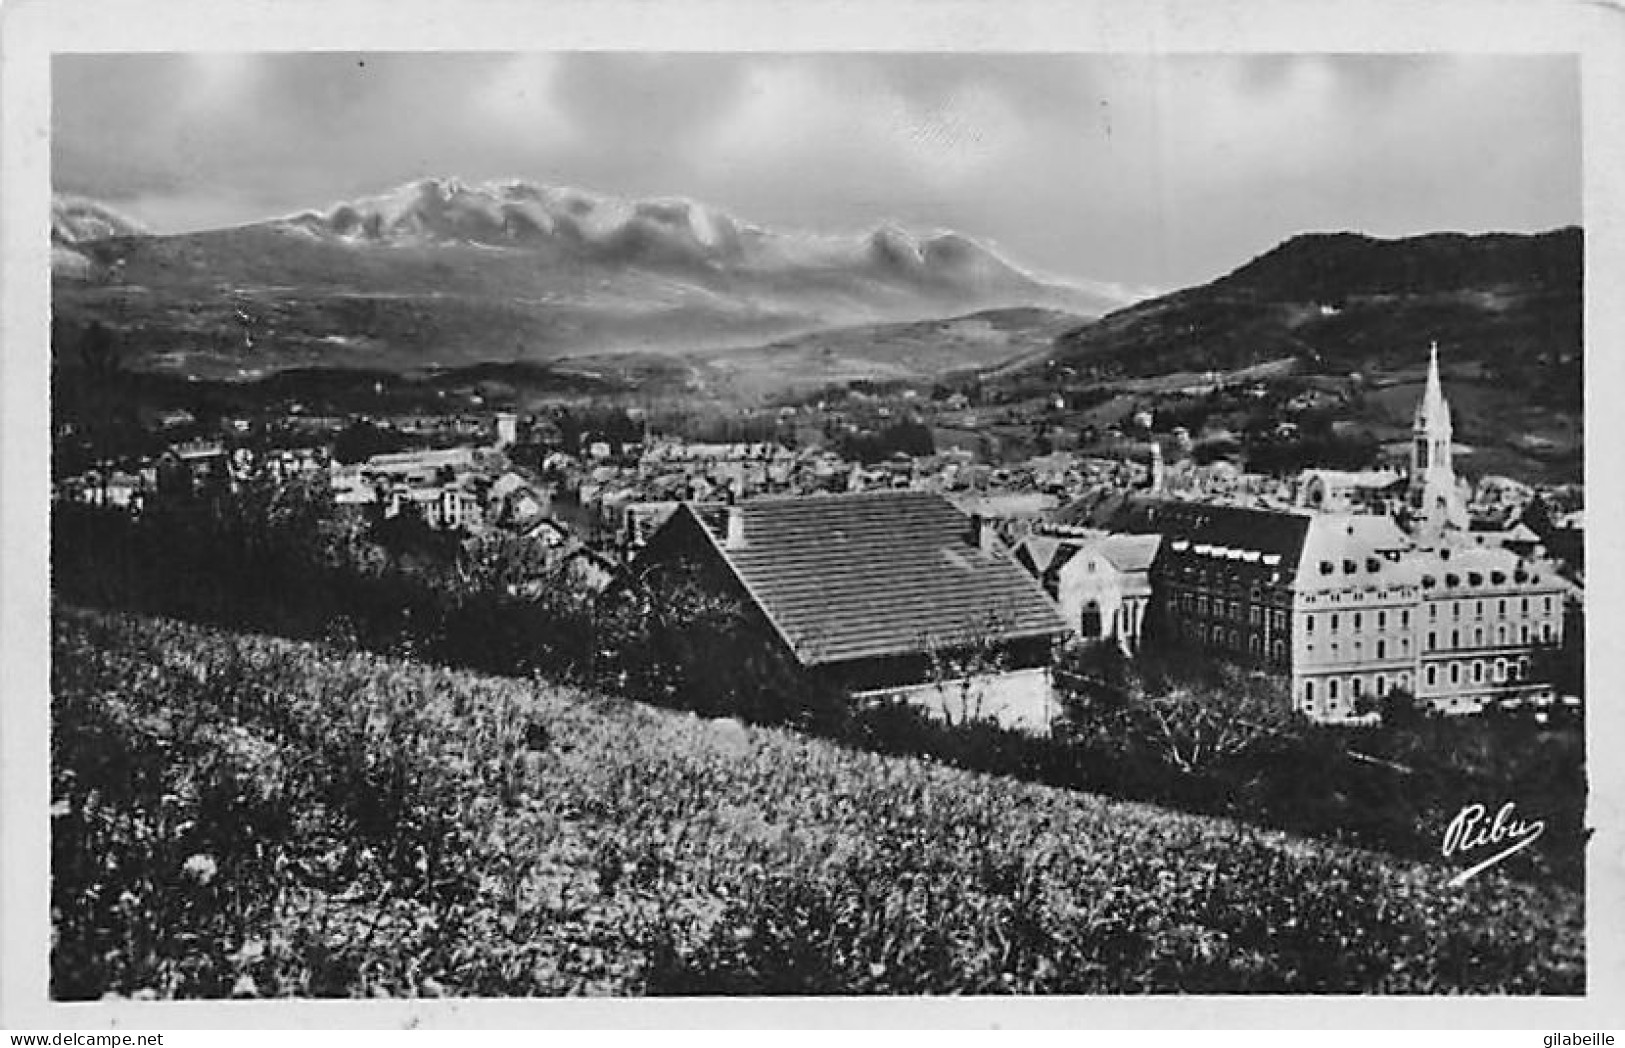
1433 493
1433 402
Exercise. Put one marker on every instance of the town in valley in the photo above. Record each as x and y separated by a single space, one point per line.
738 524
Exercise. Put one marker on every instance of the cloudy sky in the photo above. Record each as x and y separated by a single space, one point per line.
1158 171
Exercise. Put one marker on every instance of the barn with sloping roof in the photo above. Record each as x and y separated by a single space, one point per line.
890 593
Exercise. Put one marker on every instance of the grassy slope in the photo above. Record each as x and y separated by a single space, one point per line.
913 351
377 826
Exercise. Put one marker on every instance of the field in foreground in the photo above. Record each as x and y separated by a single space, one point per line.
247 816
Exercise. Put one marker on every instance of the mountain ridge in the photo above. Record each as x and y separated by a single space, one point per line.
408 273
1502 299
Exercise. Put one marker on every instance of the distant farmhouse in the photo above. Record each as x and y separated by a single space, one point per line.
1344 605
877 592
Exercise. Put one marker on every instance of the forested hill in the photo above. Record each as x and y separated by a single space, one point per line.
1509 304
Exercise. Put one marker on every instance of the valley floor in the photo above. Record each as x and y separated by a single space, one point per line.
245 816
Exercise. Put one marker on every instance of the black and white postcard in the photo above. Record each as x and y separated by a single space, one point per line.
1077 510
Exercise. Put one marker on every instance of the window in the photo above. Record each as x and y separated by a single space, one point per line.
1382 649
1523 605
1089 626
1382 620
1405 619
1382 685
1523 667
1478 609
1500 671
1501 635
1334 622
1546 605
1546 633
1478 672
1309 623
1523 634
1356 620
1478 637
1331 689
1308 694
1455 609
1433 675
1433 611
1455 673
1501 606
1355 686
1433 641
1405 681
1455 639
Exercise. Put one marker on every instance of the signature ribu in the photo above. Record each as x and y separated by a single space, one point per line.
1472 830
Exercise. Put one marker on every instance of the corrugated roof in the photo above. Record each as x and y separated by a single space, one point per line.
874 574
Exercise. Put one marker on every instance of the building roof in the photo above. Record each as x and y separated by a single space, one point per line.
1036 552
1356 549
1263 544
1131 553
1111 509
1463 570
875 574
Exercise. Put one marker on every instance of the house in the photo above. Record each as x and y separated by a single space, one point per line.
1344 491
876 593
185 469
1100 582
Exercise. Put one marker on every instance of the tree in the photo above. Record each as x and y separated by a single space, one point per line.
359 441
961 664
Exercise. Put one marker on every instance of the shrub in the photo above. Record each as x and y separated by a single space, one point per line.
236 815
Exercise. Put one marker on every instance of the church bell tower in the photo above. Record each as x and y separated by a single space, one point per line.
1434 497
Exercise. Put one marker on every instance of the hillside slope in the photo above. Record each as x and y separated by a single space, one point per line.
913 351
1509 304
254 817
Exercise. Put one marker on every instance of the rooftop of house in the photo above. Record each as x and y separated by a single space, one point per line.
1046 554
1131 553
875 574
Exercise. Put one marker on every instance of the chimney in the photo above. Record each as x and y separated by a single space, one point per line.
735 538
982 534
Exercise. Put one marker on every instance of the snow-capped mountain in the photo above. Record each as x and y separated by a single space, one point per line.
443 270
668 233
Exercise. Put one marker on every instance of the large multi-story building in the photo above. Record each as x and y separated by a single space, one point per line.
1349 606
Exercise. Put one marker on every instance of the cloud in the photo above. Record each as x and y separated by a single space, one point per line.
1146 169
